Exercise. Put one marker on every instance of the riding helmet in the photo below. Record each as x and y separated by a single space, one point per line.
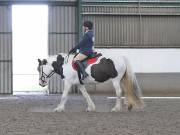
88 24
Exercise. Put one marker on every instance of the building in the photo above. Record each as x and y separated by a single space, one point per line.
147 31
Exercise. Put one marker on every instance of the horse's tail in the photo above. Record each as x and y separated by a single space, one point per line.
131 87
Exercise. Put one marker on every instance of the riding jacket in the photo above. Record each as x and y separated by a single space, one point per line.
85 46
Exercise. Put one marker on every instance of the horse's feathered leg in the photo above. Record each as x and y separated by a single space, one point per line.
117 87
131 87
61 106
91 105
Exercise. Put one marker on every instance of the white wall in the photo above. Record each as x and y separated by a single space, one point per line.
157 70
150 60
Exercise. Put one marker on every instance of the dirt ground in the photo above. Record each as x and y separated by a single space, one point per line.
32 115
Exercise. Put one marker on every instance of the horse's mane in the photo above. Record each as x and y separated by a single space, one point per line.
52 58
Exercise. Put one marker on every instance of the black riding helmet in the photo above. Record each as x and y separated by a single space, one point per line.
88 24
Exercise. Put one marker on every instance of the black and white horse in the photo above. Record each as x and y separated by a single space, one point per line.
107 67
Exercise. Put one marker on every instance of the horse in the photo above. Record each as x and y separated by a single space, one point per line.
106 67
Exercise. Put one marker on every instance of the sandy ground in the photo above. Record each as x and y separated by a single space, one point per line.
32 115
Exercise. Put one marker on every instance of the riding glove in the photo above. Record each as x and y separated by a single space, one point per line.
72 51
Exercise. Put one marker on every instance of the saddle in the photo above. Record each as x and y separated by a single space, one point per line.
89 60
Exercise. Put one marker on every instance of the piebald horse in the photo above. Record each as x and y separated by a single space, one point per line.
107 67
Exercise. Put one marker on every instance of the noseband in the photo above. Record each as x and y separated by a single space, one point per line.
44 75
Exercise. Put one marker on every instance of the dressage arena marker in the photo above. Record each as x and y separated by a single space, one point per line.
151 97
11 97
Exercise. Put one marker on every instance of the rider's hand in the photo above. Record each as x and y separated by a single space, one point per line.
72 51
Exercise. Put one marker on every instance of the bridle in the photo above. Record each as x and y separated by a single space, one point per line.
44 75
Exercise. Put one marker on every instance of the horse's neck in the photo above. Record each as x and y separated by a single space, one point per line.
51 59
68 70
68 61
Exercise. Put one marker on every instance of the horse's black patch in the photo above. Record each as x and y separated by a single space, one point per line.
57 65
44 61
60 60
104 70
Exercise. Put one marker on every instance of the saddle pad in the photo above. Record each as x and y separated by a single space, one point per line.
85 63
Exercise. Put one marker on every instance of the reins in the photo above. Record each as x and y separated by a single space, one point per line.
66 59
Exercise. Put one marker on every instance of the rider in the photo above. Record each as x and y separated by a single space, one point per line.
85 47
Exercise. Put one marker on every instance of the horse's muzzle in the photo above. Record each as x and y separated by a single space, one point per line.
42 85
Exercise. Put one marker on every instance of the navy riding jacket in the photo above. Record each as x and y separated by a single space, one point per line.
85 46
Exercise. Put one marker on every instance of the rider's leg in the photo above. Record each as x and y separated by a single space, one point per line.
80 57
82 69
79 65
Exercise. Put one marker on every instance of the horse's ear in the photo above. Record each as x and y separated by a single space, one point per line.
60 59
39 61
44 61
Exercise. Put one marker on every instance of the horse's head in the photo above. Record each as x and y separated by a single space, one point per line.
46 70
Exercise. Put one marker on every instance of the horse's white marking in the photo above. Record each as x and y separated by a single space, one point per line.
118 105
91 105
61 106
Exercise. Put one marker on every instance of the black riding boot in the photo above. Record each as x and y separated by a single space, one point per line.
81 68
79 75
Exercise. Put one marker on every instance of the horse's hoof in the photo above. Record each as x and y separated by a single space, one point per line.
116 109
91 109
58 110
130 107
